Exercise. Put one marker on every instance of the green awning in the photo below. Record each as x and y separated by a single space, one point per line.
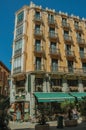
52 96
79 95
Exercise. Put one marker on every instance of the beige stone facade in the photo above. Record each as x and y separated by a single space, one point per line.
49 54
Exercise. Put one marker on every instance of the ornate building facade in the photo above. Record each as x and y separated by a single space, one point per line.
49 55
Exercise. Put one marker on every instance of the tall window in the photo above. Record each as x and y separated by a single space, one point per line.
70 66
20 17
68 50
64 20
19 31
17 62
66 33
37 29
76 23
18 45
78 35
72 82
38 63
50 17
52 31
56 82
54 65
37 15
38 45
81 51
39 84
53 47
68 47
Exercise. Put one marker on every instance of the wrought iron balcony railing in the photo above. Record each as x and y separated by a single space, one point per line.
65 24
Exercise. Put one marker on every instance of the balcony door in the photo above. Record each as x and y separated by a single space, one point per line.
53 47
38 63
81 52
70 66
54 65
37 29
38 45
52 31
37 15
51 17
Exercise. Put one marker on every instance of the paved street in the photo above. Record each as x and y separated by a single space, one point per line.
31 126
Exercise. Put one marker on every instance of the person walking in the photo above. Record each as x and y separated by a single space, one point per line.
18 115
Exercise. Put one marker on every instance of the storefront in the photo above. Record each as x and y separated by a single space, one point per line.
24 108
51 102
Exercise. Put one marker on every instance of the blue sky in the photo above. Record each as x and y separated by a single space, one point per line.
7 17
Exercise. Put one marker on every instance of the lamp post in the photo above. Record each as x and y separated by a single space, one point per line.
47 79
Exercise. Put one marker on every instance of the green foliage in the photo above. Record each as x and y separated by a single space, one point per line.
66 104
82 105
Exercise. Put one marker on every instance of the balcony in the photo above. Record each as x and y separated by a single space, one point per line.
70 54
54 53
37 19
70 72
53 36
83 56
51 22
38 33
38 51
81 41
39 68
73 88
56 88
65 25
18 52
67 38
17 70
78 28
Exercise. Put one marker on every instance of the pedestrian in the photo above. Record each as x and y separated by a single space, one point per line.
18 115
69 113
75 113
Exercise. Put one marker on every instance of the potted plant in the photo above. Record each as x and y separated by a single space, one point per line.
67 107
82 106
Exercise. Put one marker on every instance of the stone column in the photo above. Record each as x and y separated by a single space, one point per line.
32 98
32 106
65 87
80 86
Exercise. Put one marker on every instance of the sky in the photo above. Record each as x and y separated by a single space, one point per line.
7 19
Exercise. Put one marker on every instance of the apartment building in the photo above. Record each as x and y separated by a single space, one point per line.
4 84
49 55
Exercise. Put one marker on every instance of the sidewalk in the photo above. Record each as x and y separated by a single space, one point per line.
31 126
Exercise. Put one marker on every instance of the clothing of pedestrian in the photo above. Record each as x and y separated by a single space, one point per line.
18 115
75 113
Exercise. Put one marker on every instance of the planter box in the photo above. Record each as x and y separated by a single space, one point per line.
42 127
69 123
83 118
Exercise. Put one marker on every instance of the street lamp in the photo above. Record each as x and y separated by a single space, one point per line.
47 79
